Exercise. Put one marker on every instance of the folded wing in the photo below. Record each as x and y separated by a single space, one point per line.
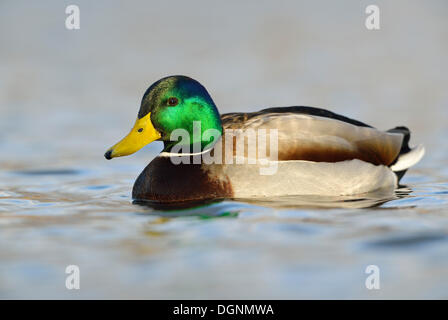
306 133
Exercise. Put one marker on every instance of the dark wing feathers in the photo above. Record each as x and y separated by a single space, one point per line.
312 111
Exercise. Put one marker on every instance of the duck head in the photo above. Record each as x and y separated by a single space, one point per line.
174 102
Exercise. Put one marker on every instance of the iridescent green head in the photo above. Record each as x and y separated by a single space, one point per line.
175 102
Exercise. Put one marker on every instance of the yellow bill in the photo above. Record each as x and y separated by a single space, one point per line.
141 134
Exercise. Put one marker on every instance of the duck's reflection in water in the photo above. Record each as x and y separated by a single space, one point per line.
220 207
367 200
203 209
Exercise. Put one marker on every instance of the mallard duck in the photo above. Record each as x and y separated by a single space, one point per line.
312 151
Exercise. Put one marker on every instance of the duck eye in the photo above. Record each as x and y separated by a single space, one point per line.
140 130
173 101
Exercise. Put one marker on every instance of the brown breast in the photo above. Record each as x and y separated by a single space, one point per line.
164 181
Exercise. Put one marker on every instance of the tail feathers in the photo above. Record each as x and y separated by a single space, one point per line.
408 159
407 156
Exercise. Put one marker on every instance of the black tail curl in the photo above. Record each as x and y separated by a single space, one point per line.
404 146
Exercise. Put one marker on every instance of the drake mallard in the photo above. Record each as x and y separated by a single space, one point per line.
317 152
